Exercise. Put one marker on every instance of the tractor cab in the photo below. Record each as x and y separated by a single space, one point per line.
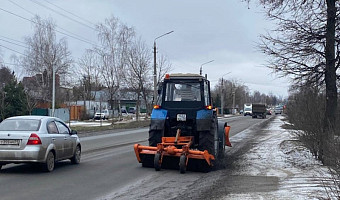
186 99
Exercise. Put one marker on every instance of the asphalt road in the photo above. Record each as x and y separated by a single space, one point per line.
108 170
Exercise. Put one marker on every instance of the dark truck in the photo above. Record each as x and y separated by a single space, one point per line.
259 110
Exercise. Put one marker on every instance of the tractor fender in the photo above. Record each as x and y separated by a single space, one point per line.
158 117
204 118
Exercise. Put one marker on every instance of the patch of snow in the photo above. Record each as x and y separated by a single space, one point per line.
281 155
90 123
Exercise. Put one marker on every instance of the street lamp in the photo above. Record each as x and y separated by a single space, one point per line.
222 95
204 64
154 67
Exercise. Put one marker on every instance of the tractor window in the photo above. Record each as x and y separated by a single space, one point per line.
183 92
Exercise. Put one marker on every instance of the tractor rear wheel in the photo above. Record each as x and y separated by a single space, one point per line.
206 140
155 137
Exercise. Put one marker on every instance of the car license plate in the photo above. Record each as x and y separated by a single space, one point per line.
9 142
181 117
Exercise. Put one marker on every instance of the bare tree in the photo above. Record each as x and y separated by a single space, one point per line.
137 74
31 101
230 88
306 45
163 67
45 53
115 39
90 71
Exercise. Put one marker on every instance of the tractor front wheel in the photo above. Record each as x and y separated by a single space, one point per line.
157 163
182 164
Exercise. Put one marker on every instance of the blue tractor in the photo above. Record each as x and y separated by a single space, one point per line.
184 124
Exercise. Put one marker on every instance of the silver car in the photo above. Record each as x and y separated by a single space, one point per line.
37 139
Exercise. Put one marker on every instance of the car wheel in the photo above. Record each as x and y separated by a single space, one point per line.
0 167
76 157
48 166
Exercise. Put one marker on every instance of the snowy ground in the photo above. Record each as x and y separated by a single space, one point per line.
90 123
280 155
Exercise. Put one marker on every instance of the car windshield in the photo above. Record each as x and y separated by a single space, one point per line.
183 92
20 125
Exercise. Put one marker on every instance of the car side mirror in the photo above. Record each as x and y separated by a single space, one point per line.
74 132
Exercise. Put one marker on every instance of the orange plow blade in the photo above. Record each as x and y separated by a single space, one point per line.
173 151
173 147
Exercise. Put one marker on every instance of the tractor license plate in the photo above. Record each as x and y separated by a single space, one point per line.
181 117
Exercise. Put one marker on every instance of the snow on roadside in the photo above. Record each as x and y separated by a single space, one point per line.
90 123
279 154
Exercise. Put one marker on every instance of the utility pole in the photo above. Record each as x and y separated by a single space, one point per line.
53 90
222 94
234 103
155 67
154 73
222 97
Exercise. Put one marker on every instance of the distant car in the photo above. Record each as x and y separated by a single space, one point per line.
102 115
278 110
38 139
124 112
241 112
132 110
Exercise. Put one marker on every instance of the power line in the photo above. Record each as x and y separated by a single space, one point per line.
55 30
51 9
13 39
56 25
21 7
16 15
70 13
12 50
13 43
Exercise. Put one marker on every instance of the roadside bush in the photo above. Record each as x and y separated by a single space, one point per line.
305 109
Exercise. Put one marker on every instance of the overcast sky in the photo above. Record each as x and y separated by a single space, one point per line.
225 31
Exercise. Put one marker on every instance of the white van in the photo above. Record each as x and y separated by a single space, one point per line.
247 109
